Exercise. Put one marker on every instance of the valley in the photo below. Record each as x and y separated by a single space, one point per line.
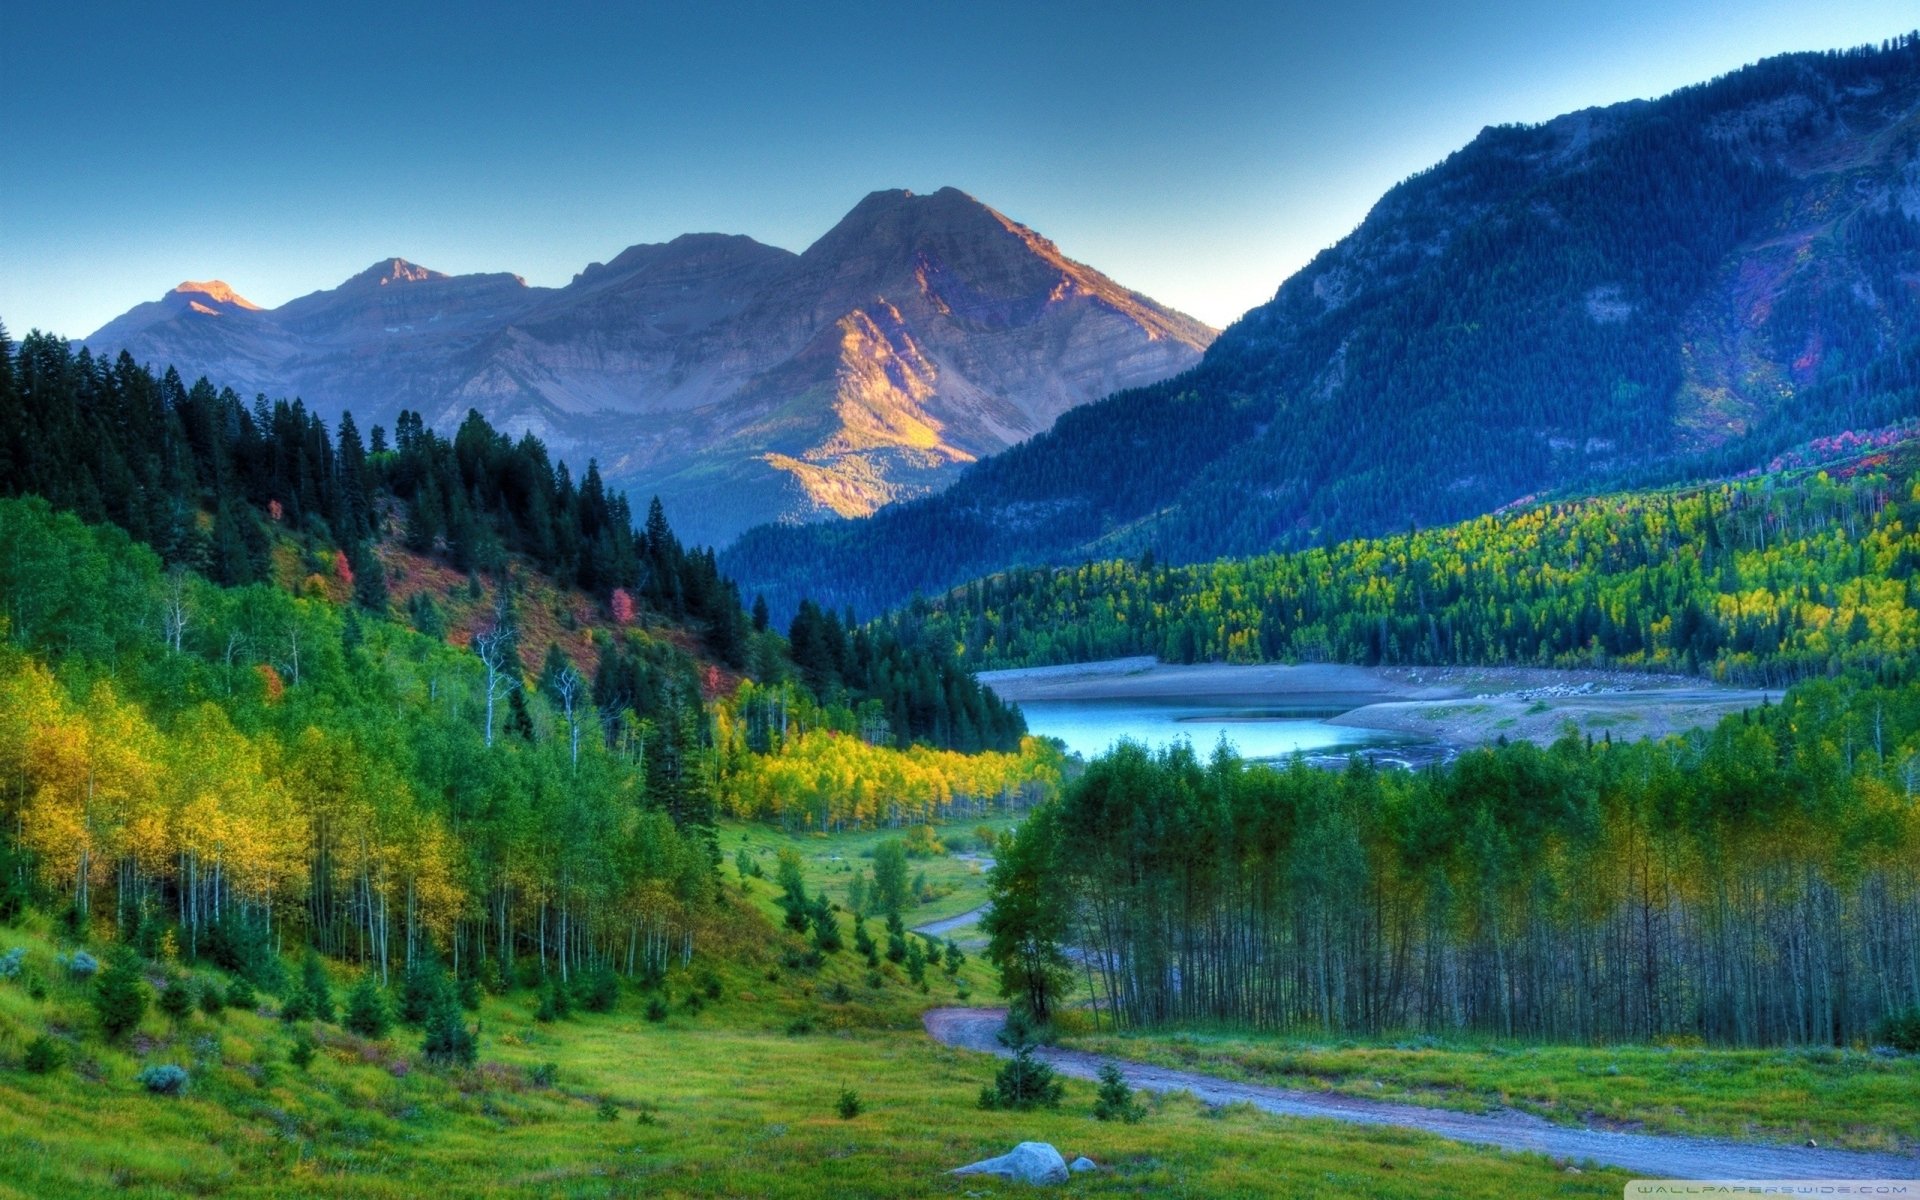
805 723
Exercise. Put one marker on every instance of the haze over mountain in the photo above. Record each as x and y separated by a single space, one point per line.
741 382
1626 293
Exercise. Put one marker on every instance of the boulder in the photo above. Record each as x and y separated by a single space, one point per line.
1029 1162
1083 1163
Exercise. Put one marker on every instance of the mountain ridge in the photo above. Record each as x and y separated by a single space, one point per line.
742 382
1646 290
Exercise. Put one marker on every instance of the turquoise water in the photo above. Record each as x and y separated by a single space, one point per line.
1255 730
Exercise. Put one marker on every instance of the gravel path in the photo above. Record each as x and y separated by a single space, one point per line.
1649 1155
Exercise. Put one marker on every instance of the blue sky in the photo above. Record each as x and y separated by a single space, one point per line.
1198 152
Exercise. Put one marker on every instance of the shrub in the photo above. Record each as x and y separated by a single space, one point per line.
313 981
849 1105
367 1012
12 962
448 1041
1023 1083
166 1079
656 1008
839 993
43 1056
300 1054
420 990
916 963
179 999
954 958
120 995
608 1110
469 992
240 994
800 1026
543 1075
600 990
212 999
1902 1030
1114 1101
556 1001
83 965
298 1006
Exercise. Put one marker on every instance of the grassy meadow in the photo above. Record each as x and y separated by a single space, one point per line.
736 1092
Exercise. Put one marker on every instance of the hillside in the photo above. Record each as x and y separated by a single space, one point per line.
1646 291
741 382
1803 570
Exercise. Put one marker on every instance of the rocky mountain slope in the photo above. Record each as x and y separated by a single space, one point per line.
1625 294
742 382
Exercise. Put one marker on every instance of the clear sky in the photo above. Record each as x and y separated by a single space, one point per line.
1195 151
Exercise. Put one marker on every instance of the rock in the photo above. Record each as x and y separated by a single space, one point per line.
1029 1162
1083 1163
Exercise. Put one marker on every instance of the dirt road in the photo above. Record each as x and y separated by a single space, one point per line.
1649 1155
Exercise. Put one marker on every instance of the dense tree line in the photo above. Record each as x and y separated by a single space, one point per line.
1525 316
1757 884
1768 579
209 482
923 693
247 768
241 766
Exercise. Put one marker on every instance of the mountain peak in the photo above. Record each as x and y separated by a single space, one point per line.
395 270
215 291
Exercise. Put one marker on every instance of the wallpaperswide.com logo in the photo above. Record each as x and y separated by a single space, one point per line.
1645 1189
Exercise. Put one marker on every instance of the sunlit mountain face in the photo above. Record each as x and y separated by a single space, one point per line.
741 382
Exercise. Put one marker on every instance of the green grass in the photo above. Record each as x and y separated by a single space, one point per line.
722 1102
1845 1098
832 861
739 1098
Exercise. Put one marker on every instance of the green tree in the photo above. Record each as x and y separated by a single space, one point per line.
368 1013
120 995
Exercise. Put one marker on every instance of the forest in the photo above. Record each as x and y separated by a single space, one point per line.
1754 884
219 736
213 485
1796 572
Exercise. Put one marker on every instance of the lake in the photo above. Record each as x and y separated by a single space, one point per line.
1254 726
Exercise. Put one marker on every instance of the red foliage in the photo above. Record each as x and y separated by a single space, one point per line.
342 569
274 510
276 687
622 606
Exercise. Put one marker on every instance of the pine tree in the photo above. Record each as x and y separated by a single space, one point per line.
120 995
448 1041
179 1000
1115 1101
313 981
368 1013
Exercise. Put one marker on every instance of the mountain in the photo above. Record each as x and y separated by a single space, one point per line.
1632 293
741 382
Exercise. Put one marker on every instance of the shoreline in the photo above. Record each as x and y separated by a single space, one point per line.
1452 707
